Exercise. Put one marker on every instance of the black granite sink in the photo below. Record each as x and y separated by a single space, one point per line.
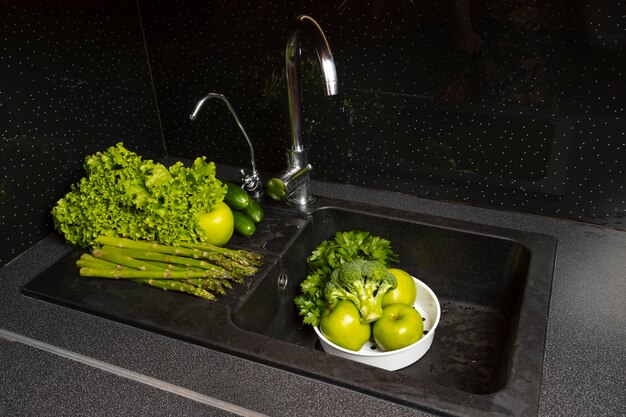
479 280
493 285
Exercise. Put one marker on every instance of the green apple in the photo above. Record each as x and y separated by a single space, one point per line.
404 293
400 326
341 324
217 225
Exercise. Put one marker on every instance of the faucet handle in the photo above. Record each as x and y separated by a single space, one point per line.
287 182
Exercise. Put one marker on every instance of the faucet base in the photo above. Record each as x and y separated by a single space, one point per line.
303 201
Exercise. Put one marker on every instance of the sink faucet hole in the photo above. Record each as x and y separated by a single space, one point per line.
282 281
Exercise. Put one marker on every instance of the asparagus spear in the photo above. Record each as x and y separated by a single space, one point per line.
197 269
164 274
185 249
195 251
238 255
168 284
89 262
173 267
123 259
139 260
218 286
82 263
122 242
235 267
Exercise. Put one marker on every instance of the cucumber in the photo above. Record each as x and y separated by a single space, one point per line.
254 211
243 225
236 197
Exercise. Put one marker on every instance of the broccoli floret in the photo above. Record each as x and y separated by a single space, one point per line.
362 282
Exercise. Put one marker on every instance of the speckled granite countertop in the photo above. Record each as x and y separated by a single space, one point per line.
58 361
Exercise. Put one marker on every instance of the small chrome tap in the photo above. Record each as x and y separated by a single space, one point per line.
294 182
250 182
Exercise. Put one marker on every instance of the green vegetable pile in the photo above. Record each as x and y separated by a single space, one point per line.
324 286
152 225
201 270
124 195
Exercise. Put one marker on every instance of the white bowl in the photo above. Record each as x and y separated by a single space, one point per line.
427 305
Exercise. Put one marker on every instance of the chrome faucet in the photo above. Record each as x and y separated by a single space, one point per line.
294 182
250 182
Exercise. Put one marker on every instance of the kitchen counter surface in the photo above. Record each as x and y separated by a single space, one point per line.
59 361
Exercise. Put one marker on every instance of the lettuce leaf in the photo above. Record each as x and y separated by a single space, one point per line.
124 195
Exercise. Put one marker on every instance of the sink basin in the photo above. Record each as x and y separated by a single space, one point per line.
478 279
493 285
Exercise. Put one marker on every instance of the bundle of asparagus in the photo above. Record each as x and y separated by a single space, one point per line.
201 269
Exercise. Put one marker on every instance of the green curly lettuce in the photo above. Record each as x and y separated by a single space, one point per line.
124 195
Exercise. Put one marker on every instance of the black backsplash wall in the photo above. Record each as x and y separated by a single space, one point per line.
74 80
531 121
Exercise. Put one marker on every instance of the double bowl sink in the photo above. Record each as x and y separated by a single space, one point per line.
493 285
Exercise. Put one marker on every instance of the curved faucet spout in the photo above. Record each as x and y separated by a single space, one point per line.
209 96
294 183
251 182
304 24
